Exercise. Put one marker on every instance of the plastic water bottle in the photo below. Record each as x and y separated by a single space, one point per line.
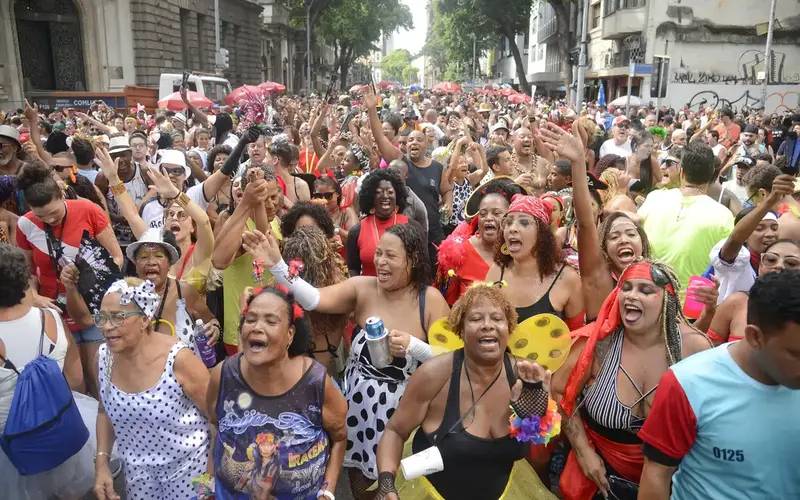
206 351
378 342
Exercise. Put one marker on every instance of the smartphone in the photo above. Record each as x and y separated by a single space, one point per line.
786 168
185 80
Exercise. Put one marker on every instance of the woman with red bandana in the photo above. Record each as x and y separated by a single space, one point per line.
466 255
528 265
611 376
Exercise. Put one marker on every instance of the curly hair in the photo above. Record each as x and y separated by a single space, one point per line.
316 212
216 151
302 336
605 228
546 250
416 253
366 197
322 267
16 275
463 306
760 177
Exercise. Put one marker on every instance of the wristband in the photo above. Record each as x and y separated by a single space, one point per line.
182 200
327 494
419 350
118 189
304 293
386 483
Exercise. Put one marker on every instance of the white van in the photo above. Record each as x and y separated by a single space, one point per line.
211 86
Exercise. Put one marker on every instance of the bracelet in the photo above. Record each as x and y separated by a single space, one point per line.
102 453
182 200
327 494
536 429
118 189
386 483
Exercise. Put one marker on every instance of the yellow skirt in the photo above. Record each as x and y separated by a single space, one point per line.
523 483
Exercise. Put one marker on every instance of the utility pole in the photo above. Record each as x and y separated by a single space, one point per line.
768 56
309 4
582 58
474 56
216 34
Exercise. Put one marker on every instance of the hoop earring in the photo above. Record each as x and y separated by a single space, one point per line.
504 249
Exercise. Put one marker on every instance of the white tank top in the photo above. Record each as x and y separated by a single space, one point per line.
21 340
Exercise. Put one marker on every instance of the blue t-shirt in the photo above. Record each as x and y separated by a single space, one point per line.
730 436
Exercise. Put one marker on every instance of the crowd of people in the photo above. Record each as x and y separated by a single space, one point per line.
242 299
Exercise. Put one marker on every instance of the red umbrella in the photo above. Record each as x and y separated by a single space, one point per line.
386 85
240 93
447 87
519 98
507 91
173 102
358 88
272 87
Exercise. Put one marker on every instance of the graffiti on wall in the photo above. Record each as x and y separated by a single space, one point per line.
750 62
749 99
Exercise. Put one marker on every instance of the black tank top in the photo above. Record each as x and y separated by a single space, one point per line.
541 306
474 468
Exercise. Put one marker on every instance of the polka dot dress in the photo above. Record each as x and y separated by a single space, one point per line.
184 329
373 395
161 436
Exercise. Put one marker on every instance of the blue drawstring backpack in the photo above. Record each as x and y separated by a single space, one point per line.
44 427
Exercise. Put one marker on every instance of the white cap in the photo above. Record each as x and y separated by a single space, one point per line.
174 157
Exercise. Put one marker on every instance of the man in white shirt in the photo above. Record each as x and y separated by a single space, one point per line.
620 143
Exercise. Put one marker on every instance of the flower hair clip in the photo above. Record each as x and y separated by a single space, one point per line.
258 270
296 267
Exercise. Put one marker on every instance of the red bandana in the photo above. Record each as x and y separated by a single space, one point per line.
530 205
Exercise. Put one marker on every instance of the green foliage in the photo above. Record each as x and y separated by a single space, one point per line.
394 64
456 22
410 75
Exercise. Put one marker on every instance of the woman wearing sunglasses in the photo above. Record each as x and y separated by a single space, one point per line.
153 400
328 193
75 186
730 318
608 383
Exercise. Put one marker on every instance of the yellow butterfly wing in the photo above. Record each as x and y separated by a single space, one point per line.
442 339
543 338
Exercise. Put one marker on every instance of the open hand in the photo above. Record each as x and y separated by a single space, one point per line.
262 246
162 184
564 144
109 167
32 114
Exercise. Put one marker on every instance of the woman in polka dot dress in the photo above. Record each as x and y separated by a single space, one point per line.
399 295
151 389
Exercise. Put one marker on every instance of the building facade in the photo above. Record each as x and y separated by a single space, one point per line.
715 48
104 45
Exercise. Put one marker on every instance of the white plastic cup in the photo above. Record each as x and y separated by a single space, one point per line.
422 464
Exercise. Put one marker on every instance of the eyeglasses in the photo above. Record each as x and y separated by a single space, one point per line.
174 171
115 318
770 259
180 216
4 145
327 196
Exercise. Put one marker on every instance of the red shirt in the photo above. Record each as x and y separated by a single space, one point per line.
308 162
81 215
371 231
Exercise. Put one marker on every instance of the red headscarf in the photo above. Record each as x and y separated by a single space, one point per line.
530 205
607 322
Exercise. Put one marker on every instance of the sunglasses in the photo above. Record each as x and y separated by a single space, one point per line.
327 196
60 168
174 171
660 278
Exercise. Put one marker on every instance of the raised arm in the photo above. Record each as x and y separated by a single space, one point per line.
385 146
316 125
596 279
127 207
32 115
199 116
783 185
230 236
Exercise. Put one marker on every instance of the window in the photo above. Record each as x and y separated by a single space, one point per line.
612 6
595 19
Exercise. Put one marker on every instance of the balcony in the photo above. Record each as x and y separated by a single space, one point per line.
623 18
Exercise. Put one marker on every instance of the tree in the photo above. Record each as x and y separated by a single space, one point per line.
450 50
353 27
410 75
504 17
394 64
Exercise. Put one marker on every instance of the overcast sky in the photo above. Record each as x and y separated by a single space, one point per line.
413 40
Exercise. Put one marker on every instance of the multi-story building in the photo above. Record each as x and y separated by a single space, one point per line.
546 67
715 48
104 45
